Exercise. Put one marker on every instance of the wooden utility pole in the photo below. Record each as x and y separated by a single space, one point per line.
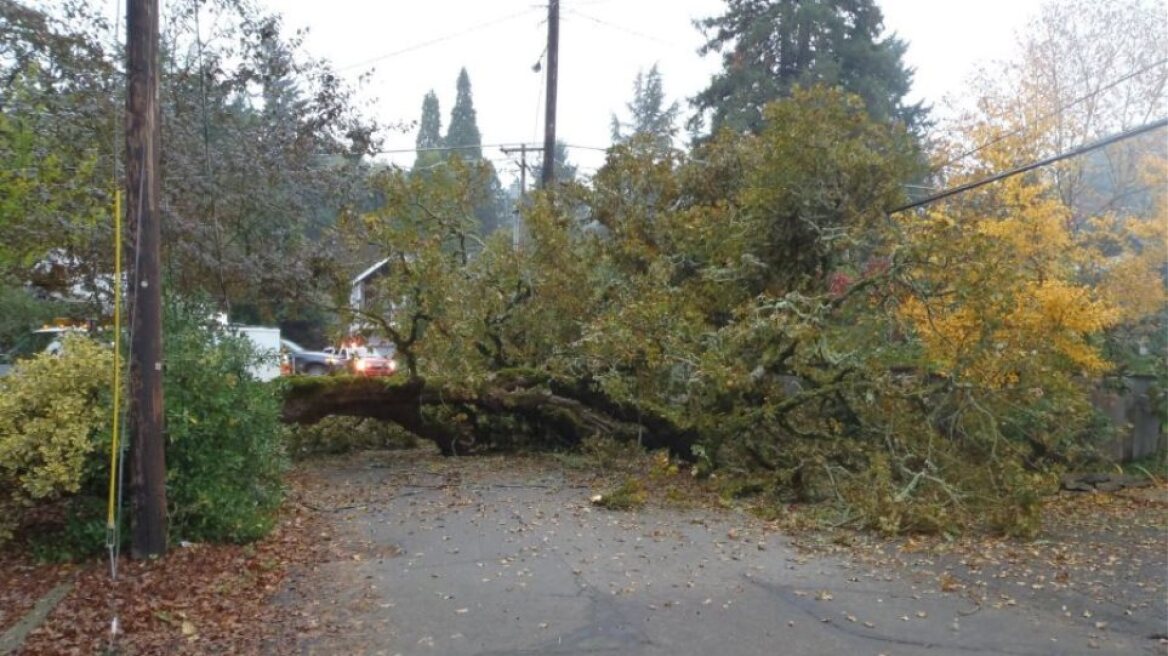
549 130
522 150
147 446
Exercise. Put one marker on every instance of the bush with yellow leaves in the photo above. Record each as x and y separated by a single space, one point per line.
52 419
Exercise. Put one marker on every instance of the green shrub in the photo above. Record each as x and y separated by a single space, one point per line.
82 533
225 455
54 418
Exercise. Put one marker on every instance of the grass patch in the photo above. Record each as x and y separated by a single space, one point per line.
1153 467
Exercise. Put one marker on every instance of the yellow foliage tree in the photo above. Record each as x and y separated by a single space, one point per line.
1130 271
997 299
1068 258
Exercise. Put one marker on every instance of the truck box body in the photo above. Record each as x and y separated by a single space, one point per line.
267 343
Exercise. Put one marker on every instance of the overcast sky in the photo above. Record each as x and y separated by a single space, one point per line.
417 45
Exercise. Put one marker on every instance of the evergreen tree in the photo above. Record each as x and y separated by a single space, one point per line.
650 118
770 46
565 170
492 208
429 133
463 133
466 143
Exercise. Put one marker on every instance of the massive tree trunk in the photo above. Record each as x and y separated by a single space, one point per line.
556 410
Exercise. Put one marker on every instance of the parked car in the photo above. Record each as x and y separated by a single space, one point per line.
42 340
49 340
372 361
295 359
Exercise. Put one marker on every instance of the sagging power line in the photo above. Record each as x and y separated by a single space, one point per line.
1081 150
1053 113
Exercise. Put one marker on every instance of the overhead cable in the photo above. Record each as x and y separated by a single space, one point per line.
1094 145
1053 113
437 40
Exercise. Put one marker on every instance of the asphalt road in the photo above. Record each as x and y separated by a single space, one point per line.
483 560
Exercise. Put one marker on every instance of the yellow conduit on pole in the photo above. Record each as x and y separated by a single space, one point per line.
111 516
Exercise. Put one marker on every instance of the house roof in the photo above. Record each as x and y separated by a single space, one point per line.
364 275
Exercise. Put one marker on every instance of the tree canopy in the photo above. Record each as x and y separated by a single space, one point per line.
462 142
429 133
264 150
463 133
649 116
768 47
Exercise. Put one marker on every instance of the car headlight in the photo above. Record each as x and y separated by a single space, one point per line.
360 365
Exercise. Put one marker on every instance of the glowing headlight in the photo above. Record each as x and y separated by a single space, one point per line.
360 365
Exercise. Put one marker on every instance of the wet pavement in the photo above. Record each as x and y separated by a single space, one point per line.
481 559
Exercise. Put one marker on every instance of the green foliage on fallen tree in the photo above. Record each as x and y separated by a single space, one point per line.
753 308
336 435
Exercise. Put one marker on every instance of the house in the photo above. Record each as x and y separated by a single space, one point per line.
63 277
359 286
361 297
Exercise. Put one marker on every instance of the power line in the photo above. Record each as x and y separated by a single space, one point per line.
1053 113
82 187
1095 145
437 40
622 28
513 144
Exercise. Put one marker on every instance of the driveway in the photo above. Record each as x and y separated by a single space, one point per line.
487 556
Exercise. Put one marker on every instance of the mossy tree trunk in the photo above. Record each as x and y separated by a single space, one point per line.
564 411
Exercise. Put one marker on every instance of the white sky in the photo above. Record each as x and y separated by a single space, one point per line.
421 44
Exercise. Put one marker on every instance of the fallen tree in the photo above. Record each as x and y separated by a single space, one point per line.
507 407
918 371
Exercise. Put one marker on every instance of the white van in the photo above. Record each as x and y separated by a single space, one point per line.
266 342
